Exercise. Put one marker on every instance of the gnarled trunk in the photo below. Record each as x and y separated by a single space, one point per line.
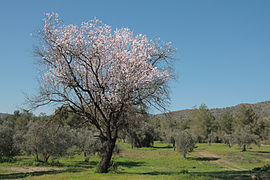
107 156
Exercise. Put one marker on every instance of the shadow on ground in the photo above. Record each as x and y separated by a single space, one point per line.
203 158
232 175
264 152
37 173
130 164
164 147
77 166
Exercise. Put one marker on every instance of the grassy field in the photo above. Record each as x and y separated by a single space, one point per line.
216 161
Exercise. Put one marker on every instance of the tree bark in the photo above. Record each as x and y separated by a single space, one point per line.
107 156
244 148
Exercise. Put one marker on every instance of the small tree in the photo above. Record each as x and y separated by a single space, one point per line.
212 138
243 136
245 126
202 123
7 145
184 143
88 143
140 135
47 139
228 139
100 74
225 122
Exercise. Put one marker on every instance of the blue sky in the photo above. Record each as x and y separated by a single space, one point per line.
223 55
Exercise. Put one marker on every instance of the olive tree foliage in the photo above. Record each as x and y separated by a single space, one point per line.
184 143
212 138
8 148
45 139
142 136
243 136
169 129
88 143
99 73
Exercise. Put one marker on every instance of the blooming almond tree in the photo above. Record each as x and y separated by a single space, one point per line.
100 74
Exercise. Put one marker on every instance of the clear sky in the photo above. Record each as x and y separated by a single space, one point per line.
223 56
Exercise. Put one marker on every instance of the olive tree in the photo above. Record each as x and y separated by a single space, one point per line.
99 74
243 136
184 143
7 144
88 143
47 139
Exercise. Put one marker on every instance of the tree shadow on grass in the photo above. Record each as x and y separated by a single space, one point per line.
37 173
130 164
263 152
225 174
232 175
163 147
203 158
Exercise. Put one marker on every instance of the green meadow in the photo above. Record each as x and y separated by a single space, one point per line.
215 161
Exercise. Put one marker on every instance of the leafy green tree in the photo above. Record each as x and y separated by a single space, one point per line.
245 116
138 131
141 135
202 123
225 122
245 126
228 139
243 136
169 128
184 143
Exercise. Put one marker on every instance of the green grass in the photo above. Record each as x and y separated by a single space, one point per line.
254 156
158 162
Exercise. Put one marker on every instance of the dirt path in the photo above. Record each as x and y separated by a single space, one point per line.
221 161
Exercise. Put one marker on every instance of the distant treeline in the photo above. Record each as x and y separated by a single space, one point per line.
65 133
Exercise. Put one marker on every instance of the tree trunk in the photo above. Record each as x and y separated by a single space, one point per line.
37 156
106 157
86 157
46 158
184 155
244 148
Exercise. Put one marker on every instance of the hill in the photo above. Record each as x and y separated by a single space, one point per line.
2 115
262 109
